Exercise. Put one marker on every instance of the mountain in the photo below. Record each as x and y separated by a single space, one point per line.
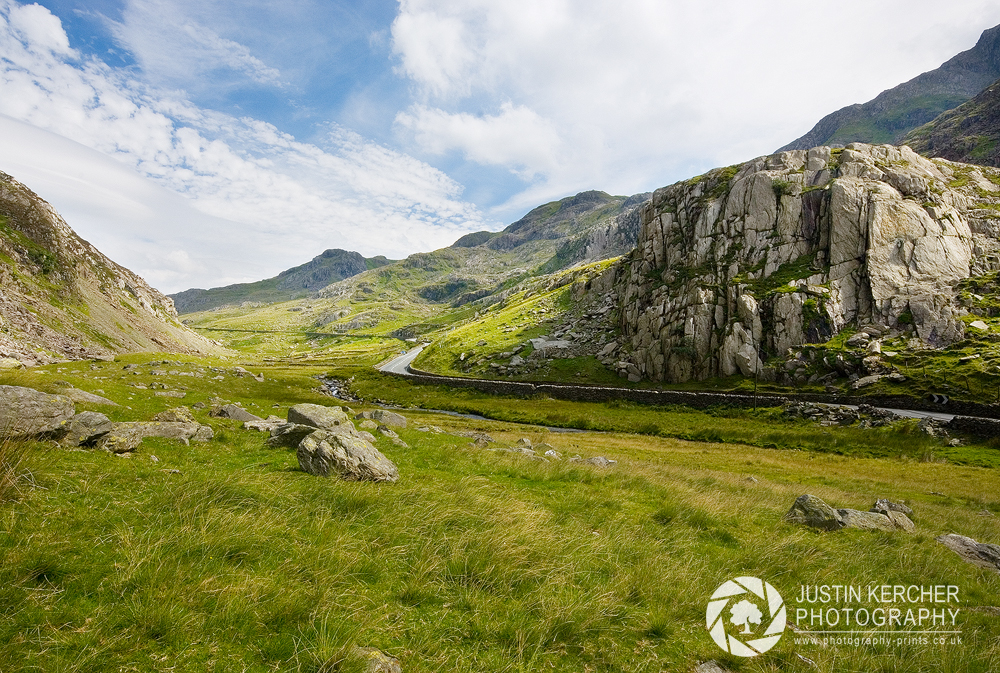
968 134
897 111
736 271
300 281
414 295
62 299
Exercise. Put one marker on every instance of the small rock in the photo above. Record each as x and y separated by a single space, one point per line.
812 511
979 324
266 425
981 554
710 667
175 415
235 412
10 363
885 506
170 393
552 453
375 661
389 418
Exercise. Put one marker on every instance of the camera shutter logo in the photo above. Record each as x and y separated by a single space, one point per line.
746 616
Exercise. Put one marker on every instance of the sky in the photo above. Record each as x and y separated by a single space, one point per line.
202 143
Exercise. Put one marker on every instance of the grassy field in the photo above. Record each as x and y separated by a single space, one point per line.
224 556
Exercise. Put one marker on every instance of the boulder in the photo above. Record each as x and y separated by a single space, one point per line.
175 415
266 425
10 363
326 454
83 397
318 416
373 660
886 506
981 554
389 418
86 428
289 435
25 412
235 412
853 518
812 511
126 437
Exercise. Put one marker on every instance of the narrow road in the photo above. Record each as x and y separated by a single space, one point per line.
401 363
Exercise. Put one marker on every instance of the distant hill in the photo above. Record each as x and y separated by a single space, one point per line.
897 111
968 134
61 298
300 281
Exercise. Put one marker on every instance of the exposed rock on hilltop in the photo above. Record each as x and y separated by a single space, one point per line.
300 281
748 261
61 298
895 112
970 133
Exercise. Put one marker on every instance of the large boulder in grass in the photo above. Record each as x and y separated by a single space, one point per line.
318 416
86 428
352 458
812 511
853 518
25 412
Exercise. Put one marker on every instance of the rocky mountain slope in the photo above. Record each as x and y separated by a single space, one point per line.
897 111
300 281
61 298
968 134
742 264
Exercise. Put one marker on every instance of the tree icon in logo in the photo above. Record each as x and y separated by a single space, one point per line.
746 594
743 613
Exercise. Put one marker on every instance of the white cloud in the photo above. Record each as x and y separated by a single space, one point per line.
174 49
643 92
256 189
515 137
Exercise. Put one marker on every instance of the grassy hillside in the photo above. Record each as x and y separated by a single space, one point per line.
967 134
224 556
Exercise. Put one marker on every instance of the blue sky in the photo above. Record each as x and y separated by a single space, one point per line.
201 142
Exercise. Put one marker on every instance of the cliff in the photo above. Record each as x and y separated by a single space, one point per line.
746 262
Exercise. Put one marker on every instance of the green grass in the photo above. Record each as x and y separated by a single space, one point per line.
474 560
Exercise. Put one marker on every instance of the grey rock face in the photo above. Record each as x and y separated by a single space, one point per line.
886 506
266 425
318 416
86 428
25 412
326 454
876 235
981 554
812 511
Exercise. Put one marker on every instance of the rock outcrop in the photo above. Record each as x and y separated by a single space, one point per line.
748 261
